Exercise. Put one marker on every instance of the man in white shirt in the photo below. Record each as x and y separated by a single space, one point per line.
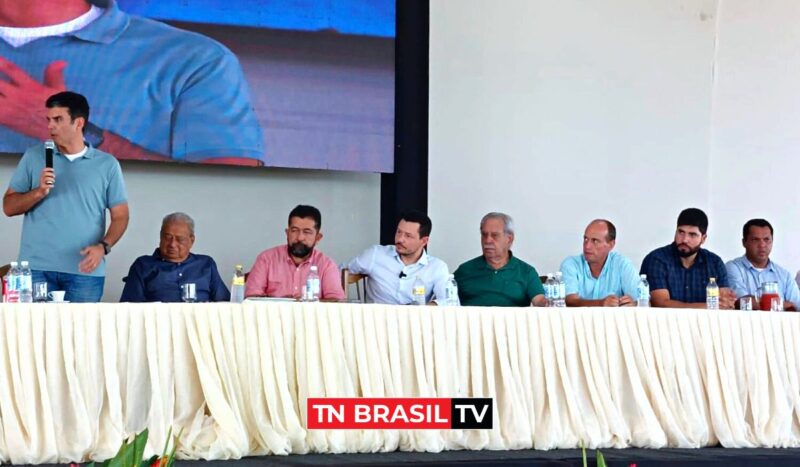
392 269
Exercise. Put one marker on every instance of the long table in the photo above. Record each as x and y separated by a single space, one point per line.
77 379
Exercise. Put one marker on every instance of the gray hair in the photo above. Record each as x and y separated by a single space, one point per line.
179 218
508 222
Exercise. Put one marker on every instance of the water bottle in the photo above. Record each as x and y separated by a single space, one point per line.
712 294
560 300
418 291
237 285
643 292
312 285
25 283
451 292
13 283
550 290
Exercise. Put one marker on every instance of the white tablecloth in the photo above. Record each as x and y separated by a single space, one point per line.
76 379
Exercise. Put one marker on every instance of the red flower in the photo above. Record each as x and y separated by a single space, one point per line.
161 461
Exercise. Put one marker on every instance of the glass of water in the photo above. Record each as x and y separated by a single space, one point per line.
189 292
746 303
40 292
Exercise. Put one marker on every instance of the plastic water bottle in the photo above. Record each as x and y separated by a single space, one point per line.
237 285
14 283
312 285
560 300
550 290
712 294
451 292
418 291
25 283
643 292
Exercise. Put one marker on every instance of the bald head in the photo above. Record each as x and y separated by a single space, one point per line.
599 239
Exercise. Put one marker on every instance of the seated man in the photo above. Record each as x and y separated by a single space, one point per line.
159 277
600 277
282 271
679 272
497 277
392 269
748 272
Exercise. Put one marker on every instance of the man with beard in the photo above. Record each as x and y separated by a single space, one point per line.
392 269
747 273
160 277
282 271
679 272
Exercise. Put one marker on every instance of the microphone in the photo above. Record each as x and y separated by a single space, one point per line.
49 146
402 274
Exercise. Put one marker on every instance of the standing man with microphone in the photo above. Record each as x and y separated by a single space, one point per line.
64 234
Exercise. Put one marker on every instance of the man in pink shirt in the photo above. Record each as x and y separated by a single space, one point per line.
282 271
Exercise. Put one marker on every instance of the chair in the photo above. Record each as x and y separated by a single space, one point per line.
360 280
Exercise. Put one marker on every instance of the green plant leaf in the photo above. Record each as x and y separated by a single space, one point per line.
601 461
166 443
120 459
174 448
583 450
139 444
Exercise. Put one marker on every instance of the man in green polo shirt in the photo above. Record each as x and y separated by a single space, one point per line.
498 278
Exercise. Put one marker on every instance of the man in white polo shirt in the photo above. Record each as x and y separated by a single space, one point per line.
64 234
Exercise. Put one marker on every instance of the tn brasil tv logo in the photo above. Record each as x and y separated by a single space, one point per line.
440 413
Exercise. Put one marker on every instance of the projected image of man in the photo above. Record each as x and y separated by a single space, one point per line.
158 92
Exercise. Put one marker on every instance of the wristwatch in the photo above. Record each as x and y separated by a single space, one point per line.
93 134
106 246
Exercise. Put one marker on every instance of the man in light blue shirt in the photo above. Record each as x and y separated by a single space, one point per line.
599 276
64 233
392 269
747 273
157 92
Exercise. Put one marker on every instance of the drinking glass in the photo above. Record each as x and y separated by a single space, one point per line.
40 292
189 292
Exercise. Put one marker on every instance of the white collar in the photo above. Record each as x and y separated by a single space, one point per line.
17 37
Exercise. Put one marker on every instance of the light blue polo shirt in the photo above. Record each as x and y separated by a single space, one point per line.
617 277
73 215
171 91
745 279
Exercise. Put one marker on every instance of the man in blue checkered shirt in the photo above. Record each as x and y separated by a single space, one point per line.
679 272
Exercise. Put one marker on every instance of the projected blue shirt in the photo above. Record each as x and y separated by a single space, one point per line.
173 92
